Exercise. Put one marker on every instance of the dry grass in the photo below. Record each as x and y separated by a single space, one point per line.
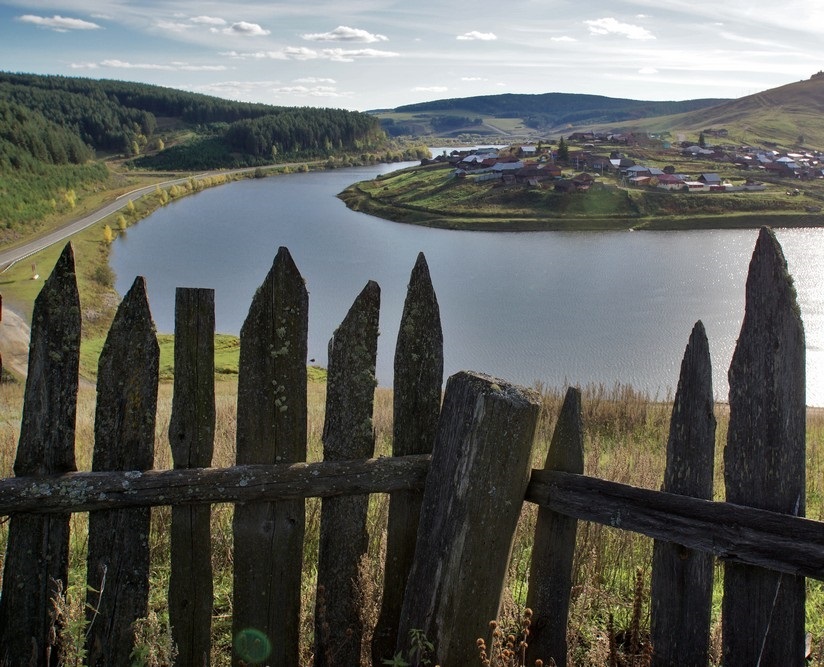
625 441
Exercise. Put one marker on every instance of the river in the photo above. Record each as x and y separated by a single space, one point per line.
555 308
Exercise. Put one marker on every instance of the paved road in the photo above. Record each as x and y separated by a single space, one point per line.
11 257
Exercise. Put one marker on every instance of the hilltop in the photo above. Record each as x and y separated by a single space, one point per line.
789 115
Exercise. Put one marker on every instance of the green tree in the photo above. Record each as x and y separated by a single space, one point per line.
563 150
702 141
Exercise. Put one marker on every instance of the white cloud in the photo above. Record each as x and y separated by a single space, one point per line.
345 34
313 91
430 89
564 38
295 53
173 26
475 35
172 67
83 65
207 20
647 70
244 29
58 23
349 55
611 26
473 78
314 79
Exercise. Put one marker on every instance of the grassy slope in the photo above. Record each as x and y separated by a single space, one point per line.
780 115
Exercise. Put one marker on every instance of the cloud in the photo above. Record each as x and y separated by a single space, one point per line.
172 67
58 23
349 55
244 29
314 79
173 26
647 70
475 35
473 78
345 34
207 20
611 26
430 89
565 38
313 91
83 65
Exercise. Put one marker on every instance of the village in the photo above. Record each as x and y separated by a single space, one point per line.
743 169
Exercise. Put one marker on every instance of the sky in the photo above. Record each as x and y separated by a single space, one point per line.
377 54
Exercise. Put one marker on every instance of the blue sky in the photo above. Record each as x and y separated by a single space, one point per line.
368 54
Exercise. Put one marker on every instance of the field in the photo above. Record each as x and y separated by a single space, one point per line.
625 440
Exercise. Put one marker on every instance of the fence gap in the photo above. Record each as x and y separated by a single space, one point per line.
118 557
472 501
271 428
347 434
416 406
37 552
191 436
764 460
550 575
681 588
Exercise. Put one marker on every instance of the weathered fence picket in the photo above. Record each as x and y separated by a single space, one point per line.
192 439
473 486
681 588
550 575
347 434
764 460
37 556
118 557
416 406
271 428
469 514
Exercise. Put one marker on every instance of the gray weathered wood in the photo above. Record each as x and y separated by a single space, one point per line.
118 557
86 491
191 436
550 575
472 501
37 552
764 459
681 589
735 533
416 406
271 428
347 434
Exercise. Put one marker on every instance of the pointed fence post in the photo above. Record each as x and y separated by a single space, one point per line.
472 501
271 428
347 434
681 590
550 575
417 403
37 556
118 558
192 436
764 460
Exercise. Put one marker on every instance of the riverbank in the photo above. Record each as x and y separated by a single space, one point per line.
432 196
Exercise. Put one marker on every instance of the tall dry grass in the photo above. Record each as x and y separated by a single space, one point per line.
625 441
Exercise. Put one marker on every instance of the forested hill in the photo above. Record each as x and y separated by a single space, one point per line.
55 131
550 110
123 117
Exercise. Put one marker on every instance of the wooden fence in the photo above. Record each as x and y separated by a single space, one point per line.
458 477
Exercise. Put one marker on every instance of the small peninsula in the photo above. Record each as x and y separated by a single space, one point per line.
601 182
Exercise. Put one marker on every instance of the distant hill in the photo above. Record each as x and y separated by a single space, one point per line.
790 116
547 112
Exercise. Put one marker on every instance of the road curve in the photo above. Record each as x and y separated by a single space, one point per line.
10 257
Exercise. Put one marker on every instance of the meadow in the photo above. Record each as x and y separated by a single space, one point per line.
625 441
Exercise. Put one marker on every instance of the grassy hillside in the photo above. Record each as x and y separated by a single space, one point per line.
788 116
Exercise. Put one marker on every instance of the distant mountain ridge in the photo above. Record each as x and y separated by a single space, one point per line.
789 115
556 109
